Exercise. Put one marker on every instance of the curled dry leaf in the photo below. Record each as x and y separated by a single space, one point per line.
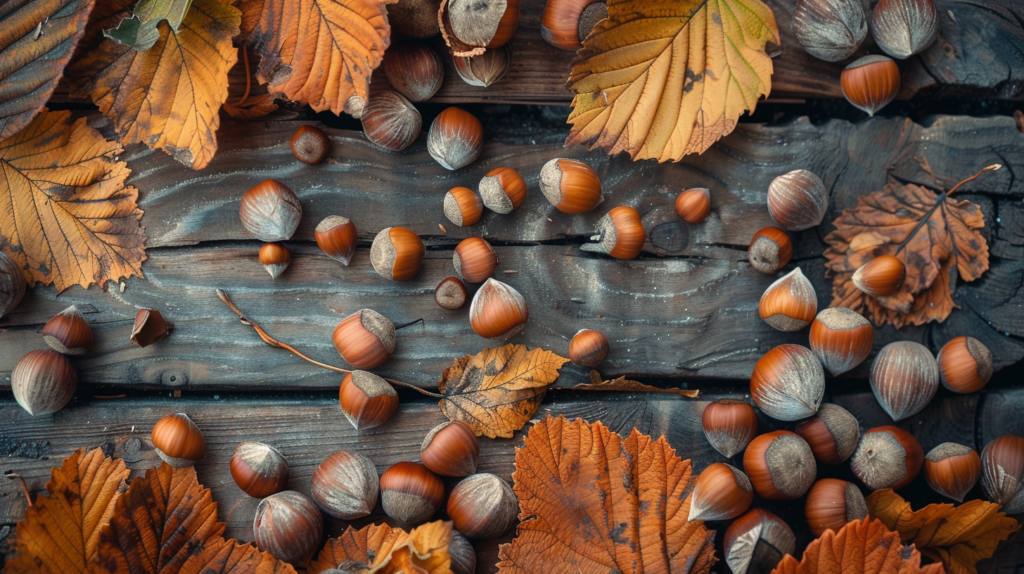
958 536
61 531
496 391
622 384
169 96
320 52
593 501
661 79
862 546
67 216
382 549
37 38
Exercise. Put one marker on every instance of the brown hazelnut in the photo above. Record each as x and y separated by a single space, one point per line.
797 200
275 258
396 253
902 28
832 433
485 70
904 378
345 485
450 449
756 542
788 383
1002 473
289 527
881 276
483 506
456 138
841 338
729 426
462 553
270 211
965 365
830 30
178 441
337 238
721 492
463 207
69 333
474 259
832 503
43 381
502 190
588 348
414 18
391 121
310 145
887 457
258 469
410 493
952 470
620 234
571 186
367 400
12 284
566 23
870 83
770 250
790 303
450 293
471 27
694 205
365 339
780 465
498 310
414 70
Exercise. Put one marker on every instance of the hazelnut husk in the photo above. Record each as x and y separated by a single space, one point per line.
149 327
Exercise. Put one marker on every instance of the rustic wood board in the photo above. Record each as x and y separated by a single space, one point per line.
978 52
32 445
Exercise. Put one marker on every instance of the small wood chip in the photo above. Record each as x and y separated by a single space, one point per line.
443 230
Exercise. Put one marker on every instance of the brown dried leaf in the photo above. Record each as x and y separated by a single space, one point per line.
382 549
252 107
496 391
66 215
37 38
592 501
862 546
622 384
959 536
661 79
61 531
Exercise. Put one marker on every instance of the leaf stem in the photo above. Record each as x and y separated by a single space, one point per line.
23 487
248 77
223 296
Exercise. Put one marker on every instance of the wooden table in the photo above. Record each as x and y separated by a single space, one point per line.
683 314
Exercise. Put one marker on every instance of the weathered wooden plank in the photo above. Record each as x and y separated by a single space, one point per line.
307 428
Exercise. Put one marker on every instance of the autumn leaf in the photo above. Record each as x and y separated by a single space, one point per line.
246 105
382 549
497 391
140 31
61 531
169 96
66 215
592 501
862 546
320 52
936 236
958 536
661 79
37 38
622 384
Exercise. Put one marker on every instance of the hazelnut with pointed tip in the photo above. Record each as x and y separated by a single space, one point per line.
178 441
365 339
832 503
729 425
502 190
498 310
450 449
310 145
391 121
588 348
289 527
620 234
797 200
788 383
965 365
258 469
904 378
832 433
68 332
43 381
887 457
270 211
414 70
1002 473
780 465
770 250
482 506
474 259
463 207
275 258
721 492
902 28
841 338
485 70
881 276
757 541
456 138
396 253
367 400
830 30
410 493
345 485
463 554
870 83
952 469
571 186
789 304
337 238
694 205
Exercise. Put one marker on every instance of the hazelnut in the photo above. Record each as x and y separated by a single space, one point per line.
832 503
345 485
797 200
620 234
1002 473
870 83
367 400
414 70
68 332
770 250
881 276
694 205
462 553
396 253
502 190
588 348
410 493
903 28
952 470
456 138
788 383
275 258
471 27
149 327
414 18
485 70
365 339
832 433
571 186
178 441
566 23
887 457
450 449
729 426
965 365
721 492
391 121
310 145
463 207
43 382
474 259
757 541
289 527
12 284
904 378
841 338
483 506
337 238
830 30
780 465
258 469
450 293
354 106
270 211
498 310
789 304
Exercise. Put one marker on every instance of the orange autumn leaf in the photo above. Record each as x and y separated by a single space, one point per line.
496 391
37 38
936 236
320 52
862 546
169 96
592 501
61 531
661 79
167 522
66 215
382 549
959 537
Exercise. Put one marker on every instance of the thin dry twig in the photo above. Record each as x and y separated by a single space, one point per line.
24 488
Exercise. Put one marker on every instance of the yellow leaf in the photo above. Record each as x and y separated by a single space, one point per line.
169 96
661 79
61 531
958 536
66 215
321 52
